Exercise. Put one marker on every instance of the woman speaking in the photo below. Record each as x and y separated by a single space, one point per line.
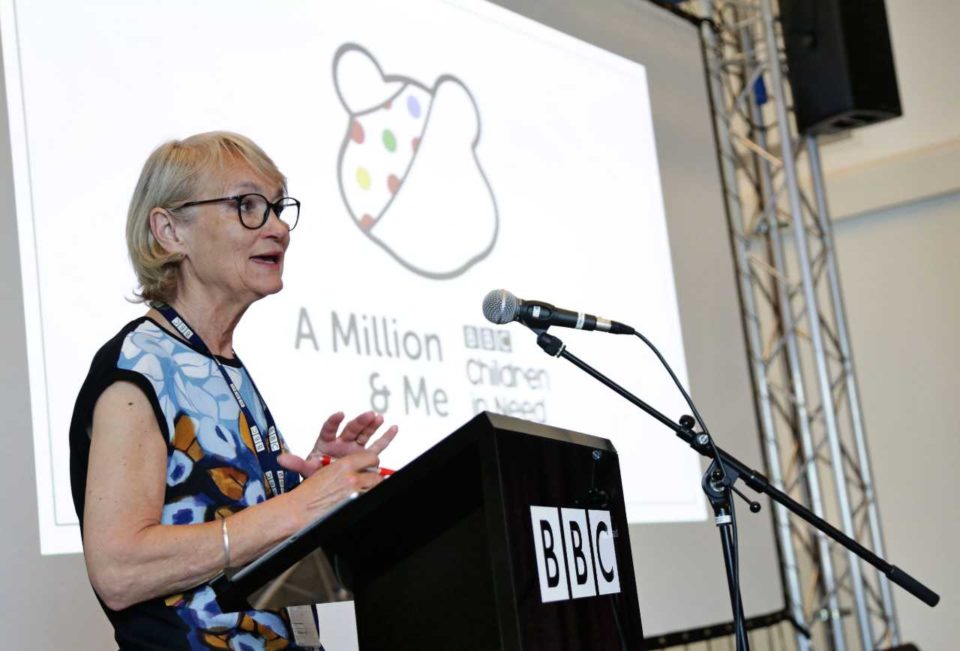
178 468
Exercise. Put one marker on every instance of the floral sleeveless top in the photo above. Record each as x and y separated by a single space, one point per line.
212 471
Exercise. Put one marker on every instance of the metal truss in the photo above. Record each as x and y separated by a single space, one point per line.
804 380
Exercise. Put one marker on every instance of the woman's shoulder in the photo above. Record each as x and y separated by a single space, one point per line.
142 352
142 338
139 335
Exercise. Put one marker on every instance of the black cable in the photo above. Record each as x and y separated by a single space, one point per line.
689 400
686 396
738 614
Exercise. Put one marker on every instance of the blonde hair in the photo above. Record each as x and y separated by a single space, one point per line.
172 175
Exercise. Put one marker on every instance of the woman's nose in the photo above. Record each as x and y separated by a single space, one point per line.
275 225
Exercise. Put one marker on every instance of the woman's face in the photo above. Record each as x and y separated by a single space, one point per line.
224 257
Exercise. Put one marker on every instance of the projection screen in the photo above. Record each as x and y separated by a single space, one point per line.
441 149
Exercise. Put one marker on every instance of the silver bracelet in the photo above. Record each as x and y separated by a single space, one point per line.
226 544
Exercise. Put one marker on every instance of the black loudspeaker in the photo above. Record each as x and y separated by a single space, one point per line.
840 64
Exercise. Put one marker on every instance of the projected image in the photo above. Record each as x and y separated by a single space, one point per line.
442 150
409 172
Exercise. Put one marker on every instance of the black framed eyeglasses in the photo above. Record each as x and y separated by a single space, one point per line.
253 209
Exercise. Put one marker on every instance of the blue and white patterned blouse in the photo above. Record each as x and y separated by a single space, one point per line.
212 471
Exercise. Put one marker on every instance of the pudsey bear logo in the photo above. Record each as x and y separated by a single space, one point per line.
408 168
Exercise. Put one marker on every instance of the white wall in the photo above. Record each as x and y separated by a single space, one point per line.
894 193
901 279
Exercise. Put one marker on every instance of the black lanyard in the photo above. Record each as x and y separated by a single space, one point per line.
278 480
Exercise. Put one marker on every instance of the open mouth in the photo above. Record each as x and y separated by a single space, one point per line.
266 259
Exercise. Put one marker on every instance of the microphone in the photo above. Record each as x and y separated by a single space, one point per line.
500 306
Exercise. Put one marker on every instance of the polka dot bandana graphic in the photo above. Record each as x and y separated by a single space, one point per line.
363 178
408 170
356 133
389 141
413 105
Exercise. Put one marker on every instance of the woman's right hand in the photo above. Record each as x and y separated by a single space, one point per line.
325 489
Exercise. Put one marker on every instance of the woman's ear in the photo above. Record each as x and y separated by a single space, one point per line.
167 230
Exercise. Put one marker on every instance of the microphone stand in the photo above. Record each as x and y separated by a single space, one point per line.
718 482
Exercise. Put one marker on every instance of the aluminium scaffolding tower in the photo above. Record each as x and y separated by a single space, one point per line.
804 380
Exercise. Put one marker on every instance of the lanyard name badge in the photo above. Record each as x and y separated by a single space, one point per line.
278 479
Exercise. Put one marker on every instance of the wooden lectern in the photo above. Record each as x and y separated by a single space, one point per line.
507 535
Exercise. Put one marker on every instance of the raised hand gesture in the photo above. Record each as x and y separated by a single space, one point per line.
354 437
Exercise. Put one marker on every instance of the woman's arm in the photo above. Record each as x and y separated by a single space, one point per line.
130 556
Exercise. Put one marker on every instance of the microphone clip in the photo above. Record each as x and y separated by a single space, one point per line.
551 345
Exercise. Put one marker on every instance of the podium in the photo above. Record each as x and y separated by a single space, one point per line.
507 535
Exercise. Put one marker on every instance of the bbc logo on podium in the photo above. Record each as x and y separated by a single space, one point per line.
575 553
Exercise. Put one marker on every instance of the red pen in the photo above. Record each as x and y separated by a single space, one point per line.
326 460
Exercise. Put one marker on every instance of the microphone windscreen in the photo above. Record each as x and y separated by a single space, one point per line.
500 306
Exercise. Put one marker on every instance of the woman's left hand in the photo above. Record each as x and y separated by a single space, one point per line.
355 436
